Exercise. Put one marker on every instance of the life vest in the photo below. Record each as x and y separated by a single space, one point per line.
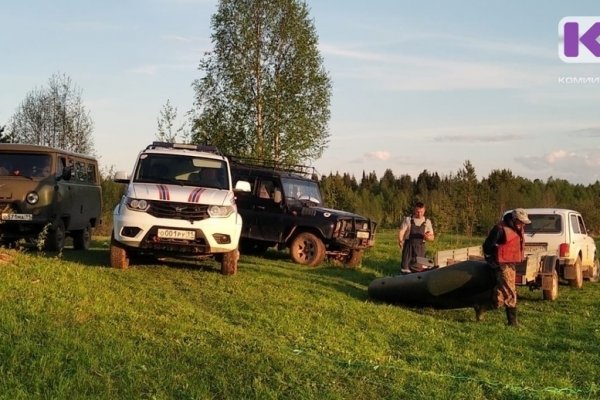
511 251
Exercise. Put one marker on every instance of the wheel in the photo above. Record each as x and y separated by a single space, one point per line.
82 238
354 258
118 255
55 240
594 271
552 294
307 249
229 262
578 281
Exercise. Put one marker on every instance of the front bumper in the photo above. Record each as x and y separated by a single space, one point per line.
139 230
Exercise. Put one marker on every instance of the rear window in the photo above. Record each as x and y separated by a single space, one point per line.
544 223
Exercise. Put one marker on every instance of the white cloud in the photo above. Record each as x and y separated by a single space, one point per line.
577 166
378 155
558 155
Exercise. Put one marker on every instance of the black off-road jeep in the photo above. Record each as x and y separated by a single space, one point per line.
285 209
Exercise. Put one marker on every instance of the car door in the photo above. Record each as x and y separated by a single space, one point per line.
268 210
580 236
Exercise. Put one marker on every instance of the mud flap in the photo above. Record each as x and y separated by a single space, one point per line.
549 264
570 272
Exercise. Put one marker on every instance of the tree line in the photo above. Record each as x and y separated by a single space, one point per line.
458 203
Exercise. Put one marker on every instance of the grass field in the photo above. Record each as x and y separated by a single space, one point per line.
70 327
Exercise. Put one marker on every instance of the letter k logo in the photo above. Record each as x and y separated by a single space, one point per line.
579 42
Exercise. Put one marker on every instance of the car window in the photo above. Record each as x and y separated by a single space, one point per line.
575 224
182 170
544 223
581 225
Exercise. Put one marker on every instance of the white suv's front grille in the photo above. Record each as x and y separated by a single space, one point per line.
172 210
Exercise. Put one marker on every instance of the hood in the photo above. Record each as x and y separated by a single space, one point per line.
180 194
330 212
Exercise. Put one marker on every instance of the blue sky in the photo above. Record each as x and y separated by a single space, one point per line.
416 85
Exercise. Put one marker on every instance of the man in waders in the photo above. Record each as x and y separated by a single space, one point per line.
414 232
503 249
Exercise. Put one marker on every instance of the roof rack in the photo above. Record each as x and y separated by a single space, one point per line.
197 147
305 170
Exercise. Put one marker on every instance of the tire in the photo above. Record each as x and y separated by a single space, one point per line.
82 238
307 249
229 262
55 240
354 259
578 281
552 294
118 255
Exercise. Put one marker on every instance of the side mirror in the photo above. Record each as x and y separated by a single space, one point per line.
121 177
67 174
242 186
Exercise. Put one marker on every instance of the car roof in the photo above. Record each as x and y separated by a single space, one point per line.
184 152
550 211
22 147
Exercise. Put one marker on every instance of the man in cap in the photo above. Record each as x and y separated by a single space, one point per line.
504 249
414 231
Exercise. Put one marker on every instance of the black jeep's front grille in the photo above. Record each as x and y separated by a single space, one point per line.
171 210
348 227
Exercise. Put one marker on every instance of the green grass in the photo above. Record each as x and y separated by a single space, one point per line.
71 327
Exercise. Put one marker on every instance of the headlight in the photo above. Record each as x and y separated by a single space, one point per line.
220 211
32 197
136 205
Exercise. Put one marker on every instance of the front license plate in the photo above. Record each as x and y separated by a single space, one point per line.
16 217
362 235
176 234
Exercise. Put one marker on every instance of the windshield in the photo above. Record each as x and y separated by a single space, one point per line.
25 164
544 223
298 189
182 170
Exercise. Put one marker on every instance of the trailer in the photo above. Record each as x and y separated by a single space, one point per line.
538 271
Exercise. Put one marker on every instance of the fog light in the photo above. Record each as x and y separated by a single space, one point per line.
130 231
222 239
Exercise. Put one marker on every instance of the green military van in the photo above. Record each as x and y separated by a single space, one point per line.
47 194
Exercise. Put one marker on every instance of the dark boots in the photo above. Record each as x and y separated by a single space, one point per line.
511 316
480 310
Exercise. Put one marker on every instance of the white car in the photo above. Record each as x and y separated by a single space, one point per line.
562 232
179 202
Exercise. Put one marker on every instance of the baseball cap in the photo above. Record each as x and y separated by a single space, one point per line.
521 215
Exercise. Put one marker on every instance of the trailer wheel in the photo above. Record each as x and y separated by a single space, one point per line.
552 294
578 281
307 249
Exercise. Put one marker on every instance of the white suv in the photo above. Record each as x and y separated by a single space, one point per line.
179 203
561 232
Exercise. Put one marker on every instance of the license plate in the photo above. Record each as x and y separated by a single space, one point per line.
176 234
362 235
534 248
16 217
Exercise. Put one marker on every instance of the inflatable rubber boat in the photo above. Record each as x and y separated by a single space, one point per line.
459 285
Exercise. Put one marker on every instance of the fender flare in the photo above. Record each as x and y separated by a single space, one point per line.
549 264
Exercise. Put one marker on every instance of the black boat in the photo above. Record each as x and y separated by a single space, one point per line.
459 285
